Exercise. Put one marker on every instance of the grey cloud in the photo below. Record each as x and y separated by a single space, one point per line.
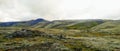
18 10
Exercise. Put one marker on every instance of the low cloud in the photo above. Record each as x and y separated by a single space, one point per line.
21 10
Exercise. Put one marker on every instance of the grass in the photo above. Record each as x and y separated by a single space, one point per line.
75 40
83 25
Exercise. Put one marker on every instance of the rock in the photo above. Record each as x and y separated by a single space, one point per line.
25 33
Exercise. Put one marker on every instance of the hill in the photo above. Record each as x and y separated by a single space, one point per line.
70 24
21 23
111 27
86 25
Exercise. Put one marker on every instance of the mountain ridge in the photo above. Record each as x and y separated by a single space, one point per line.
19 23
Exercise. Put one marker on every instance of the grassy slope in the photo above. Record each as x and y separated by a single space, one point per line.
69 24
53 24
84 25
111 27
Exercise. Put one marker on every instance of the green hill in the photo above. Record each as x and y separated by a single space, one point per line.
111 27
69 24
86 25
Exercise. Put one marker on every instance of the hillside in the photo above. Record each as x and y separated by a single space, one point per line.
21 23
86 24
97 25
111 27
69 24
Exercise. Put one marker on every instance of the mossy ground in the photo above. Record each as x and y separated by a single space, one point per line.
75 40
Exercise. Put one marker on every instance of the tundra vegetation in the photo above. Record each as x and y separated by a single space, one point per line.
95 35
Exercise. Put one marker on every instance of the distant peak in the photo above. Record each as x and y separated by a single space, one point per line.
39 19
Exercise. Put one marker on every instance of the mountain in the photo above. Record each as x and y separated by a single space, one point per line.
54 24
21 23
95 25
70 24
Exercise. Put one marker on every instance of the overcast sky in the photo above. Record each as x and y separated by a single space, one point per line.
21 10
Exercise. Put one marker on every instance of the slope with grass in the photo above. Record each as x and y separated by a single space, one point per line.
70 24
86 25
110 27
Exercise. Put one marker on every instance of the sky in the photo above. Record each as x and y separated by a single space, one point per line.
22 10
